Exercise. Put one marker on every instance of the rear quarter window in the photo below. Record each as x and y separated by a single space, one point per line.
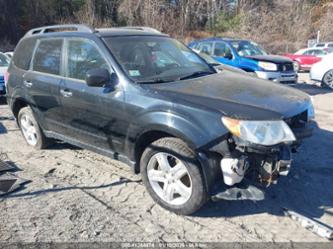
23 53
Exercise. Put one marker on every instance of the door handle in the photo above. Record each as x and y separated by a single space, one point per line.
27 83
66 93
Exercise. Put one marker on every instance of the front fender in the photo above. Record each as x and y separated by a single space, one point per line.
176 126
249 65
195 133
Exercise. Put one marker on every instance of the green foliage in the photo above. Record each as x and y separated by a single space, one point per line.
225 22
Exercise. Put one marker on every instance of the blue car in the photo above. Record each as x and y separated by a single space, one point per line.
247 56
4 63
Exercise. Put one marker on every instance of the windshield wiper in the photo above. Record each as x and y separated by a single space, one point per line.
152 81
195 74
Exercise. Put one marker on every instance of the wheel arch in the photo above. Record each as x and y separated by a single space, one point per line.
17 105
207 163
154 133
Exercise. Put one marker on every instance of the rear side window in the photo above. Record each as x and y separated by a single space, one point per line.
23 53
47 58
206 48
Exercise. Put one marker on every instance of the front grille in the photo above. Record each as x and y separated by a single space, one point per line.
2 86
286 67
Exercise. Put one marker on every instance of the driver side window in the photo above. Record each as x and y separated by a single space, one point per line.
222 50
318 52
83 56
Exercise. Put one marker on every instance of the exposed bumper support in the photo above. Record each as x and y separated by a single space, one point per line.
249 192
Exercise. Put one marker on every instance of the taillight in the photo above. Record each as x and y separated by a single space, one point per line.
6 77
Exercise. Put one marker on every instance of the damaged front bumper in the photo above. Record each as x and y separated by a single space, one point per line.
247 169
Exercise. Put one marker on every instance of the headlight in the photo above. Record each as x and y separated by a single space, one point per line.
267 66
260 132
311 111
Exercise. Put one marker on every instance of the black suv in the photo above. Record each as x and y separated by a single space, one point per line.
141 97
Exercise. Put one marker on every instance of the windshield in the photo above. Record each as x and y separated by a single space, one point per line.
149 59
4 60
247 48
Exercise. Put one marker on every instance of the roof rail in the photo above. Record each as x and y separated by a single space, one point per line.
142 28
77 27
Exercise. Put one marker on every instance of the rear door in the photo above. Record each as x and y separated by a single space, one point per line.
42 83
91 113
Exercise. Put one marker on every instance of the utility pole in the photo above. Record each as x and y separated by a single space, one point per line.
318 36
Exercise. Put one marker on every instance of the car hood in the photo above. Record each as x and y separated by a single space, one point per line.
270 58
236 95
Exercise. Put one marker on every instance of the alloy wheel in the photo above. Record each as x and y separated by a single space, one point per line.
29 130
328 79
169 178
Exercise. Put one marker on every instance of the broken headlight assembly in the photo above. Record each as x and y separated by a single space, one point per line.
265 133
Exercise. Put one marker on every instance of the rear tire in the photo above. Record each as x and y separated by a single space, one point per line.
173 177
30 129
328 79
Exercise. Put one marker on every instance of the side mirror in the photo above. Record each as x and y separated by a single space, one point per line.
98 77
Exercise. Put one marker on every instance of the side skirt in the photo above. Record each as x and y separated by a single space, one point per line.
104 152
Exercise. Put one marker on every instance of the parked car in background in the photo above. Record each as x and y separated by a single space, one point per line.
219 67
304 59
247 56
9 54
146 99
323 71
328 46
4 63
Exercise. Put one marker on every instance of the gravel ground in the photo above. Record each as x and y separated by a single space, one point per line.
77 195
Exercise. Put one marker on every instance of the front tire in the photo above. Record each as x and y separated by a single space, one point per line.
173 177
30 129
328 79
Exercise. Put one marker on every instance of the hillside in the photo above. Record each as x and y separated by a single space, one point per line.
279 26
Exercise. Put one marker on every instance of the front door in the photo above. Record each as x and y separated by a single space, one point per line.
223 54
90 113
